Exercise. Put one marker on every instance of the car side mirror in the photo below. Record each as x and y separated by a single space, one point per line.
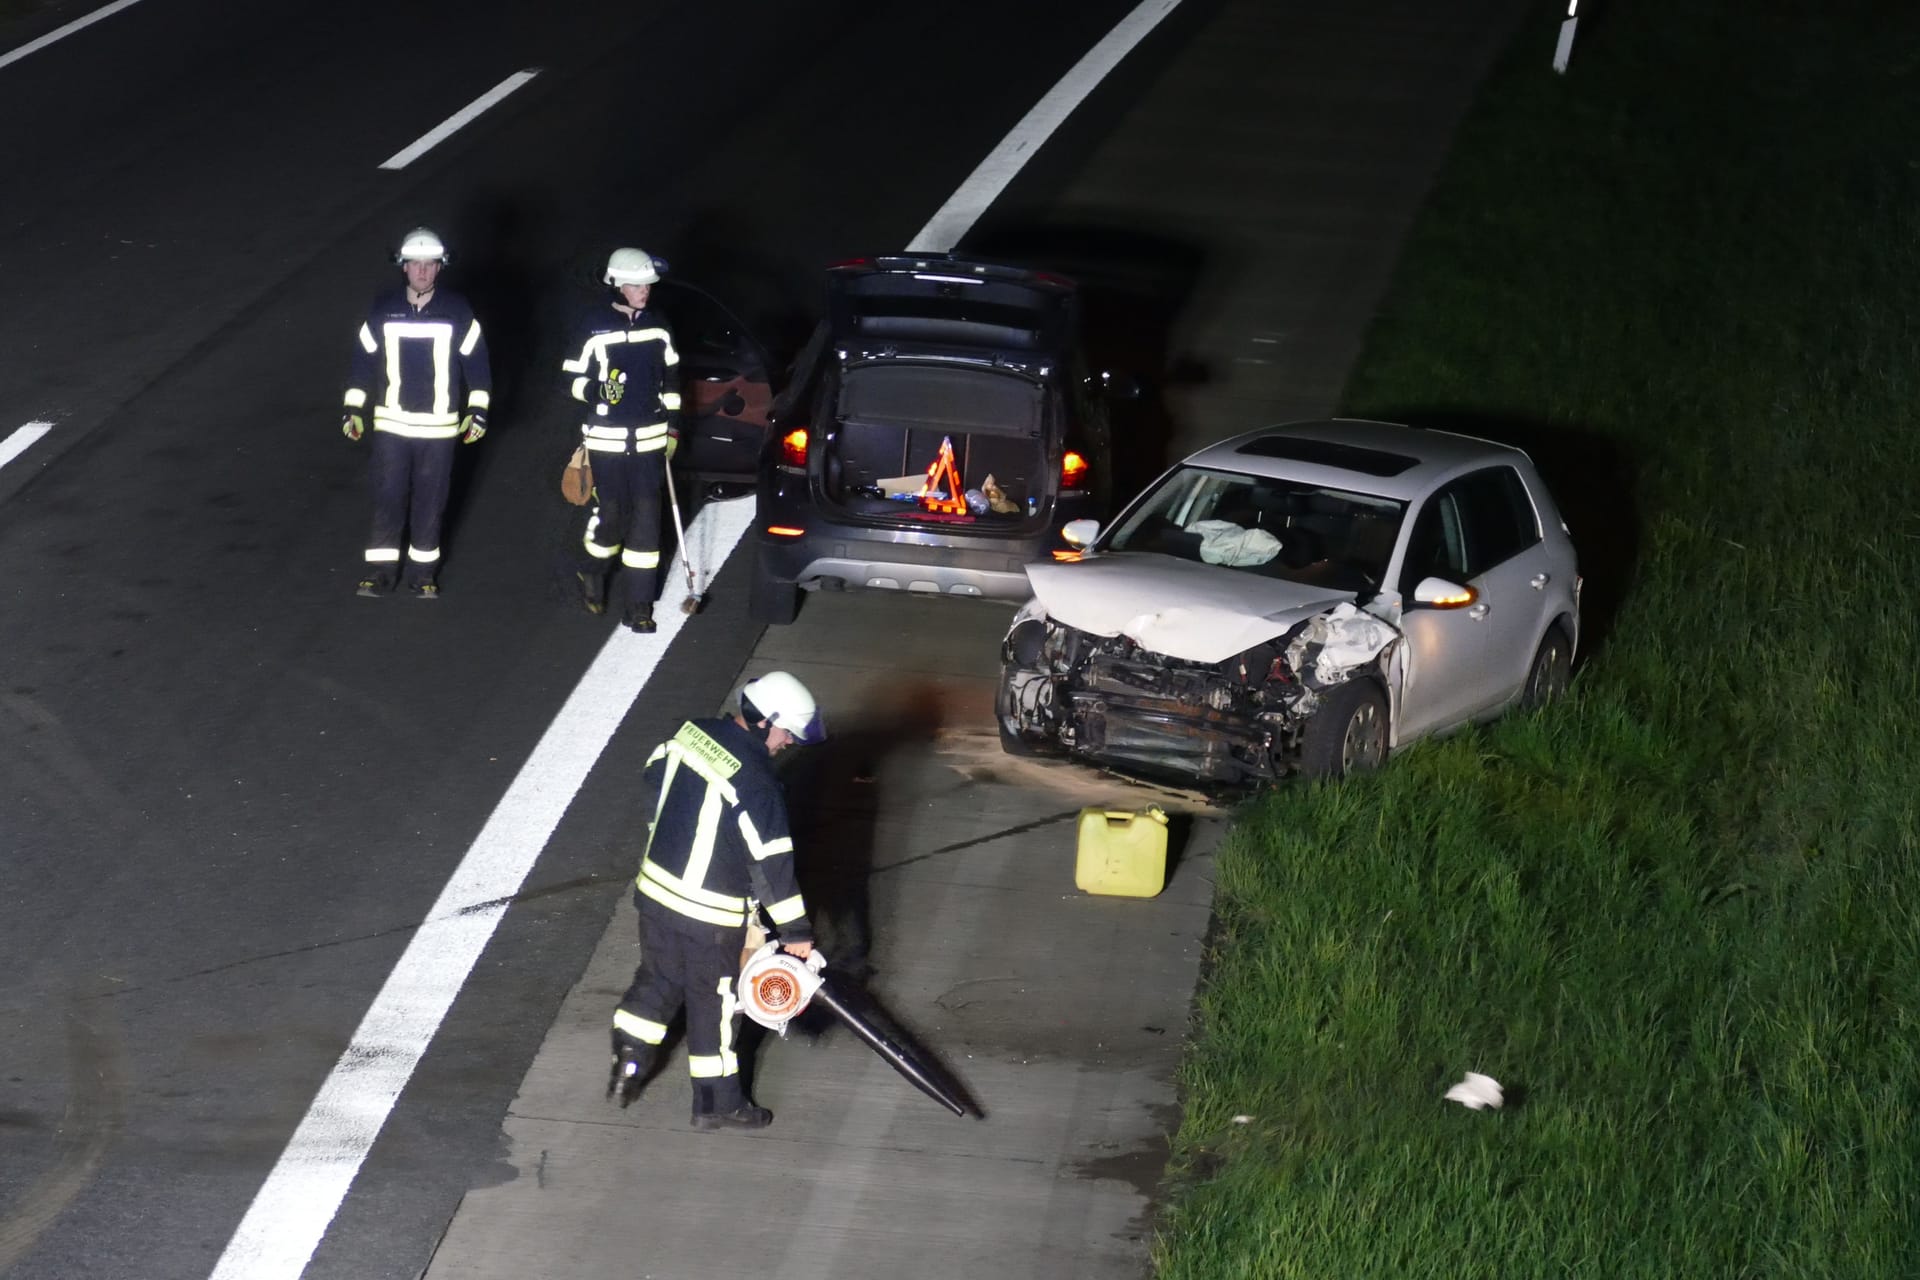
1080 533
1438 593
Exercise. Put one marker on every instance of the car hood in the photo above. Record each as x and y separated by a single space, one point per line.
1195 612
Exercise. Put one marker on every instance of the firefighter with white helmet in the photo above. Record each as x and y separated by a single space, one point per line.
421 370
719 852
624 372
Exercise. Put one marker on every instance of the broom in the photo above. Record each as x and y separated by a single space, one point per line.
696 598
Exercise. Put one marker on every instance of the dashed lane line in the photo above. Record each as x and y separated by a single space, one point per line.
21 440
457 121
61 33
293 1209
984 185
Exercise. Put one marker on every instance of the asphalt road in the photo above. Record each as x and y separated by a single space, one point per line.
230 787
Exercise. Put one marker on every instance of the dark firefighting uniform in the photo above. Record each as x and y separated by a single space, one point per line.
420 371
627 373
719 846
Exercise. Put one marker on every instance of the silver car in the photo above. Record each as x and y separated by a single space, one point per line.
1303 599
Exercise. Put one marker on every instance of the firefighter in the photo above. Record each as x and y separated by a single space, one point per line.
718 853
626 373
421 367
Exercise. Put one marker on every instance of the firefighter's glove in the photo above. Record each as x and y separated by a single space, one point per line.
673 442
352 426
472 427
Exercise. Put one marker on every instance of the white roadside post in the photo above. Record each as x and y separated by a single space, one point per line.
1564 49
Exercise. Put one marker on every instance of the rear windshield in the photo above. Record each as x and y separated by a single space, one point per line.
1277 528
940 398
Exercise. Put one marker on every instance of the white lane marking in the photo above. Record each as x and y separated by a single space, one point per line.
293 1209
458 120
964 207
35 46
21 439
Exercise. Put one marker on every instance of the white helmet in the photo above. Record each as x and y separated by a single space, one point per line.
421 245
632 266
783 702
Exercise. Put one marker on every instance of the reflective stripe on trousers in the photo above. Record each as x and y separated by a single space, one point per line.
695 968
624 522
410 482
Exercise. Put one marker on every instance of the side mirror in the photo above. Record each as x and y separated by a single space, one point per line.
1080 533
1438 593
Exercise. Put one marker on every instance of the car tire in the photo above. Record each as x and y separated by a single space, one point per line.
1348 734
1552 667
774 601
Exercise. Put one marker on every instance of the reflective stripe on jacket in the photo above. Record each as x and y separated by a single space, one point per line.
420 370
720 840
627 373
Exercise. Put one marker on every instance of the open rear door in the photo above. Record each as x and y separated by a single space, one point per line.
724 385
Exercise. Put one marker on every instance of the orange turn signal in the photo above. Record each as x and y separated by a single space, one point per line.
784 531
1073 470
793 447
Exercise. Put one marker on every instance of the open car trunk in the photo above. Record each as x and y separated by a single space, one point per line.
893 424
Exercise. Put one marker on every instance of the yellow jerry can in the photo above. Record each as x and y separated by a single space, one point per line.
1122 853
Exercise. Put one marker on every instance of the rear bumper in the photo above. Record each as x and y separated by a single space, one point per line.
935 560
844 558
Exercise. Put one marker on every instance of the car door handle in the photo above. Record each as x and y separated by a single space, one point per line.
1478 611
1539 581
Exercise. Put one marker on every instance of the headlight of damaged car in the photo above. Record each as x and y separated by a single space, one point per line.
1026 642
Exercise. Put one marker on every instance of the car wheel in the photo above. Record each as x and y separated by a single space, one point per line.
771 600
1348 734
1552 666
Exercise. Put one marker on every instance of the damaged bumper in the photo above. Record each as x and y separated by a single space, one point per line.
1232 723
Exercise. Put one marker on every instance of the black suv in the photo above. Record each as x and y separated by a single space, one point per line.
941 426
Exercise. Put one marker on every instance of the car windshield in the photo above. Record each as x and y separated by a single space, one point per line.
1277 528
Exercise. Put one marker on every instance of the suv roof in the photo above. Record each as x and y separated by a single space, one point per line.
938 301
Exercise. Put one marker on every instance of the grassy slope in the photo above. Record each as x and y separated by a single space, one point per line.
1679 914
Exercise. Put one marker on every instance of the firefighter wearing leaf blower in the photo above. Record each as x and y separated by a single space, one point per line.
626 373
421 369
719 850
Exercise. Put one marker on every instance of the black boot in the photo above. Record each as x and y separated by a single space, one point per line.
640 618
593 590
722 1104
632 1064
747 1117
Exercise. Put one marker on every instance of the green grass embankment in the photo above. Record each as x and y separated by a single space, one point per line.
1678 915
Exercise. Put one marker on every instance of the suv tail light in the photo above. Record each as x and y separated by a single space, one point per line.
793 447
1073 471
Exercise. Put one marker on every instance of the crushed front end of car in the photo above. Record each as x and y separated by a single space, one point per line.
1232 722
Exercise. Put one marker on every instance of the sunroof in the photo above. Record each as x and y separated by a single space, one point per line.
1328 453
